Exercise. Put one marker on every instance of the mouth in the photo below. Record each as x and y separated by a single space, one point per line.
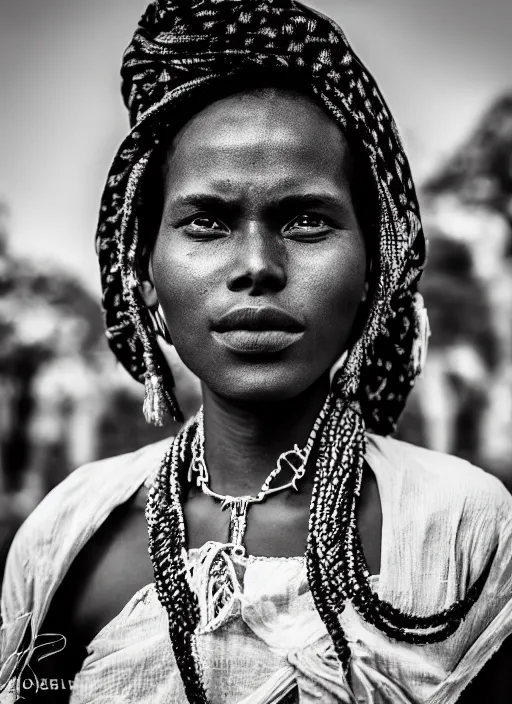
257 330
257 341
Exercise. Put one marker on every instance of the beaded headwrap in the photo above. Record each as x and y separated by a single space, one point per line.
180 48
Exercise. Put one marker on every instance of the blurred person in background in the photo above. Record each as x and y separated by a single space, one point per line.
261 217
43 326
469 201
59 387
452 395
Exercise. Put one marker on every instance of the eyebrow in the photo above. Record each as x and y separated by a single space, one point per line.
309 199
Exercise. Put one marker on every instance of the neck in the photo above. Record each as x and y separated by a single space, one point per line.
243 440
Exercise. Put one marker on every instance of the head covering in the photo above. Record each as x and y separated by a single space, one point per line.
181 47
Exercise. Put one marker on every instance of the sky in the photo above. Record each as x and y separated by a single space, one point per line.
439 64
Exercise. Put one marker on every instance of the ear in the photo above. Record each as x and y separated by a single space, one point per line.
147 286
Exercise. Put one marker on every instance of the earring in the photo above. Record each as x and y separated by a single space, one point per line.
155 407
159 325
337 365
365 294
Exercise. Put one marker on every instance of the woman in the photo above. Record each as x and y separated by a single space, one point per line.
261 217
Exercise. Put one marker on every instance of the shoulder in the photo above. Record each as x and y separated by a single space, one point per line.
66 519
445 480
446 521
96 486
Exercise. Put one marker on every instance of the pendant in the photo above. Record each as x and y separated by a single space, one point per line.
238 519
296 461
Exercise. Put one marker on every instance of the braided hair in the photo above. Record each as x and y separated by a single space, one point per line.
181 49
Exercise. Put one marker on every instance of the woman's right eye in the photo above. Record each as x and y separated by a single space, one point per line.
205 222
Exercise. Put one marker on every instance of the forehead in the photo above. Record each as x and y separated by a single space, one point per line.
268 137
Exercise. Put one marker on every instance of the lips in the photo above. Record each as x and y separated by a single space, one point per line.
257 330
267 318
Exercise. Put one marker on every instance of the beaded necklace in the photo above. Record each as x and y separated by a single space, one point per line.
295 459
336 566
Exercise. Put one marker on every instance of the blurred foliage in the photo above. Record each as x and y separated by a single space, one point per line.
480 171
63 401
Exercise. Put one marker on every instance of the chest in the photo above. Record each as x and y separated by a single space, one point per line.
115 564
278 527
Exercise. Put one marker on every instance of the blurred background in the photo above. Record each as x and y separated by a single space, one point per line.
444 67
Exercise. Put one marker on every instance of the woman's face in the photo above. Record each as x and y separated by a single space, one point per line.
258 215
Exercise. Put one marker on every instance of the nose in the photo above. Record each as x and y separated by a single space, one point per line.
260 262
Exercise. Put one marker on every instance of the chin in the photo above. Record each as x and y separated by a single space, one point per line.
262 385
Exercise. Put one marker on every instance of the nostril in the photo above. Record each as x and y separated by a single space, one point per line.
240 283
261 281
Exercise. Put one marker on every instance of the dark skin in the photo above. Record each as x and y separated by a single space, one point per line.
258 210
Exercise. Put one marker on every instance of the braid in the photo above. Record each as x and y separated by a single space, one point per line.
385 384
337 569
172 579
327 518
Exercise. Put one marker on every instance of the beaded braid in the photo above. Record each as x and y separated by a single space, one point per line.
318 553
159 398
172 579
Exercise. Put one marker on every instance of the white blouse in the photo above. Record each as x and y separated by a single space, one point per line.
442 519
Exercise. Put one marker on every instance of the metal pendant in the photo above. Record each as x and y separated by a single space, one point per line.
238 519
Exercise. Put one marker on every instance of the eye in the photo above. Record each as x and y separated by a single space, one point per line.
205 227
307 223
205 222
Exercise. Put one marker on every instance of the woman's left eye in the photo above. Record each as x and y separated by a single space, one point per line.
306 221
309 221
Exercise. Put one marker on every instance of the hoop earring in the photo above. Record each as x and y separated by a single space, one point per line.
337 365
159 325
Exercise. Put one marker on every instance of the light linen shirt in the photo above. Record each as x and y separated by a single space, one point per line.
442 520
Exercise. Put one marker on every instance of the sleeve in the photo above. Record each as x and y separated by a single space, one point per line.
489 621
50 539
16 613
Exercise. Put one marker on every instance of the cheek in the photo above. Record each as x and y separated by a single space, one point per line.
335 285
181 285
189 281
